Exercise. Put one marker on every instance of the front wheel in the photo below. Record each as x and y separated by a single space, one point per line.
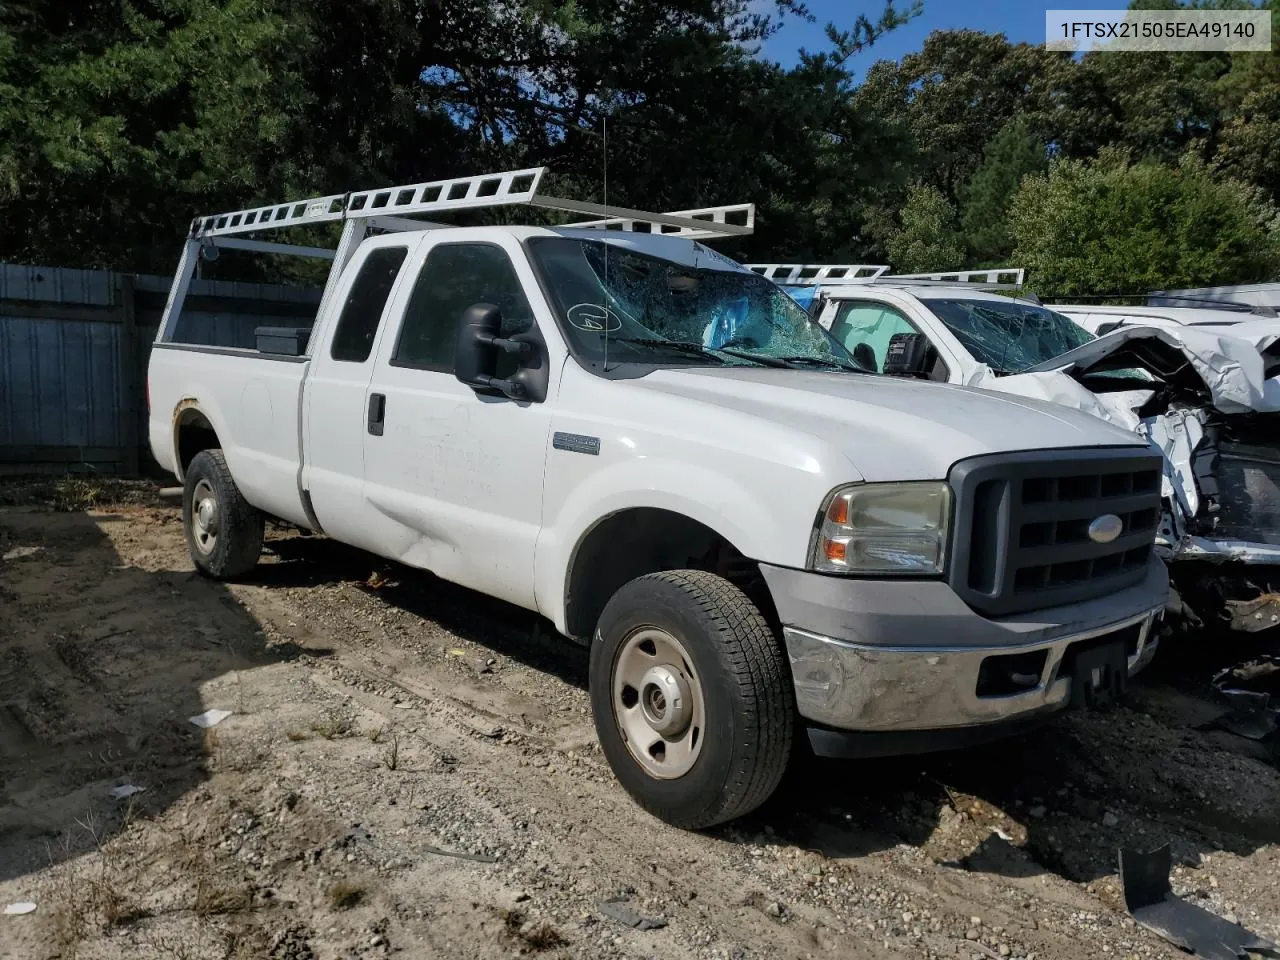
691 697
224 531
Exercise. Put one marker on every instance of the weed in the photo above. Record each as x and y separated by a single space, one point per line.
538 936
71 494
212 900
343 895
333 724
376 735
391 756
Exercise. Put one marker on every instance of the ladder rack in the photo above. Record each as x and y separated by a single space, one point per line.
832 274
1001 277
395 205
800 274
395 209
714 217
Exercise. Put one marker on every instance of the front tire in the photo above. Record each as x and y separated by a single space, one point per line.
224 532
690 692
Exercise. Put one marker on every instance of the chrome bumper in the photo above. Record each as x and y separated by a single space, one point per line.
882 688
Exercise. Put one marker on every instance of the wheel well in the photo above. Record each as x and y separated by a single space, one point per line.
195 433
644 540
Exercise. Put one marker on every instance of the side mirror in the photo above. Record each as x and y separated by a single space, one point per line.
478 348
908 355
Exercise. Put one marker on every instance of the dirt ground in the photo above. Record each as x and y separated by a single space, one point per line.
410 769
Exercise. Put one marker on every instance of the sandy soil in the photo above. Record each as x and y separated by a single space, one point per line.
410 769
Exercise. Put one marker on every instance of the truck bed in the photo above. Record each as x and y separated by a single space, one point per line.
253 401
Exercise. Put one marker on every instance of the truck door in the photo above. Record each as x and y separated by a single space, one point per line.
336 406
454 478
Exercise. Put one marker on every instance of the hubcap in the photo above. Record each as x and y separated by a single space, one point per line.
658 703
204 517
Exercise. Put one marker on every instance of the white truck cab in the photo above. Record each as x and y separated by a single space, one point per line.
659 451
1202 385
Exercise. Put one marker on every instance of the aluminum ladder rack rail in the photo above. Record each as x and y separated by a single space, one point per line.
514 187
834 274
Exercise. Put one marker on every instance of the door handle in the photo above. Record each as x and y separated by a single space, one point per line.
377 413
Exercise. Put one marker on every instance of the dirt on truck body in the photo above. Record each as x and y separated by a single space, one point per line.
410 769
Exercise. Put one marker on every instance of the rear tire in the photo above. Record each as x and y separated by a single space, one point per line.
691 696
224 533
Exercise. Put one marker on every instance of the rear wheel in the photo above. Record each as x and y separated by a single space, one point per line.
691 698
224 532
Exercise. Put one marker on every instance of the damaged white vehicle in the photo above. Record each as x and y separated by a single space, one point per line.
1206 391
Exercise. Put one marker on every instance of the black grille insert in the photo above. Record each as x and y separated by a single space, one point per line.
1021 539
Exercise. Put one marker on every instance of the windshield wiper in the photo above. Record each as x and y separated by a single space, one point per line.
681 346
698 349
762 359
824 362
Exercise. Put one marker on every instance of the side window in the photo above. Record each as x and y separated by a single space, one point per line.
455 276
865 328
361 314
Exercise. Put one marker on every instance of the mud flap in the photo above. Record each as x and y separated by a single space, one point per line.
1099 676
1144 881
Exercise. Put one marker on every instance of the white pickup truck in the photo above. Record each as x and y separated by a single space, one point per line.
754 540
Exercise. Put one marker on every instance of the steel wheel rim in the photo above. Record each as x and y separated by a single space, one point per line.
205 517
658 704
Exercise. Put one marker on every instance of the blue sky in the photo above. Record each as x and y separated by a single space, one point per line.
1018 19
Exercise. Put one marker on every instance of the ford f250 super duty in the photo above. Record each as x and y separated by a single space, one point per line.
753 539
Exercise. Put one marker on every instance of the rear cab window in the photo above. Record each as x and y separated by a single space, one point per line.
366 301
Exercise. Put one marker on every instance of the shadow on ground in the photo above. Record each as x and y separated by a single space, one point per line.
1060 799
101 665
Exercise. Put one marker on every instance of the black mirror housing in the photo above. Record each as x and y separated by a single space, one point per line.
478 347
908 355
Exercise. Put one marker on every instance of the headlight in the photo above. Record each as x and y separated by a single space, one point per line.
883 528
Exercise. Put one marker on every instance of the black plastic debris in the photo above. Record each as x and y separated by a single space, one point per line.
1144 881
616 909
1252 694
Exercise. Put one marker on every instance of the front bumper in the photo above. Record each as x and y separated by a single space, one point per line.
886 656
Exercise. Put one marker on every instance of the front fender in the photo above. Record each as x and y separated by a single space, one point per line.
761 523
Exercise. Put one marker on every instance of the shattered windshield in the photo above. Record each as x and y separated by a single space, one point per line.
1008 336
651 310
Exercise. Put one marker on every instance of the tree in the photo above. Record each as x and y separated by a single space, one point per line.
927 240
121 121
1110 226
954 94
1013 153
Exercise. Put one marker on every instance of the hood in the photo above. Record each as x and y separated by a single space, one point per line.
890 429
1227 370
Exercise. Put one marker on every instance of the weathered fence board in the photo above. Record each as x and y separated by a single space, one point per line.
74 346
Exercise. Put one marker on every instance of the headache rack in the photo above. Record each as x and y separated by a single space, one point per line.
398 208
833 274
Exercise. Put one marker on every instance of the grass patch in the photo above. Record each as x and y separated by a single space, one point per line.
333 725
537 936
344 895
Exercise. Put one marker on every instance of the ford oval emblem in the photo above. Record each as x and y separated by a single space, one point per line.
1105 528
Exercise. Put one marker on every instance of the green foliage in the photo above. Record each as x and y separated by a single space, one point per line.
1111 226
121 120
927 240
1013 153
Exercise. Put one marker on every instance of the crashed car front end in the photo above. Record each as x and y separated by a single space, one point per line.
1212 405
